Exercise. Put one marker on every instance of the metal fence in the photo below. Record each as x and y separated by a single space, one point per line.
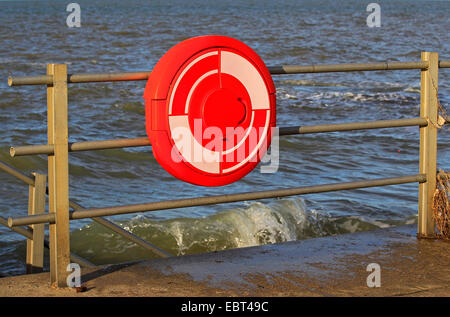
62 210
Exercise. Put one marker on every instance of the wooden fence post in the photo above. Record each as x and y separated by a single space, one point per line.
36 206
58 174
428 144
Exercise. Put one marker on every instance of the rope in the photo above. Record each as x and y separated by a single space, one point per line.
441 205
442 116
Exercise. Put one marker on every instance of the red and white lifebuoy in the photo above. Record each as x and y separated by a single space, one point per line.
210 110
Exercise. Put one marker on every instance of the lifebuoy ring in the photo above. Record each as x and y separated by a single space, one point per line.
210 109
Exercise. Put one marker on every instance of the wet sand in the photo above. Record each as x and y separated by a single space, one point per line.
329 266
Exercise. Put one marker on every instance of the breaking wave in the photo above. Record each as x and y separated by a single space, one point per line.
256 224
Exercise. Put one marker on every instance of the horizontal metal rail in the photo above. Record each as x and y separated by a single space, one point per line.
211 200
294 69
28 233
80 146
144 141
108 224
79 78
274 70
444 64
367 125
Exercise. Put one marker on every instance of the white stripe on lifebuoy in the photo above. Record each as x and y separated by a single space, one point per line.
237 66
188 99
184 72
188 147
262 138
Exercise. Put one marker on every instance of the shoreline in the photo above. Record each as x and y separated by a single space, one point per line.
327 266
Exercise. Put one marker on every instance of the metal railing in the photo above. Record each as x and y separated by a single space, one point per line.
58 147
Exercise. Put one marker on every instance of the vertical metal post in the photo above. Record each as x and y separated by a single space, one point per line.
36 206
428 144
58 174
